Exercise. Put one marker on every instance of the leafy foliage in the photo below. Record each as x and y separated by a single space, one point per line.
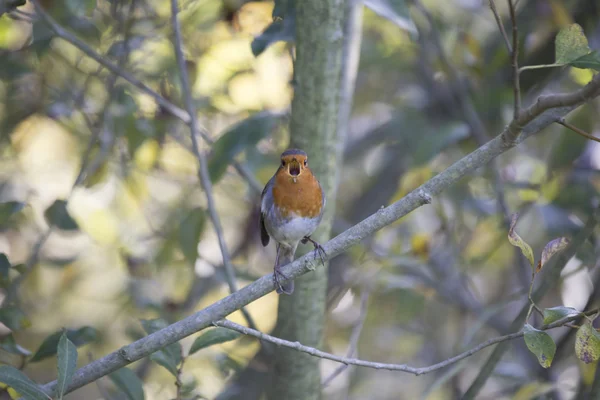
58 216
77 337
21 383
587 343
67 362
128 383
170 356
540 344
213 336
516 240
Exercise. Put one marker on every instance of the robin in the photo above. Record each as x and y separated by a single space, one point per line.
292 205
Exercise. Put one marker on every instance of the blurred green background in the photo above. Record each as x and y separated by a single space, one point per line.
134 241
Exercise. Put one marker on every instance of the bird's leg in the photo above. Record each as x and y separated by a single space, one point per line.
318 248
278 275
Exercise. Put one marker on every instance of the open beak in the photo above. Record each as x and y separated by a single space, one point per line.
294 168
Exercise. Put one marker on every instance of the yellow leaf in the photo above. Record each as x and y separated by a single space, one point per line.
146 155
517 241
561 16
14 394
553 247
419 244
581 76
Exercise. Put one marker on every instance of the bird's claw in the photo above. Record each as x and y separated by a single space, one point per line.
319 250
277 277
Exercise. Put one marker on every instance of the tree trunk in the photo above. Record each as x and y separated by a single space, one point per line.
313 128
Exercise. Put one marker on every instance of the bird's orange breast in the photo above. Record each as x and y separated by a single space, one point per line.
301 195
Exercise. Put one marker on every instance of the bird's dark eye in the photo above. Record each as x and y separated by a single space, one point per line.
305 162
283 163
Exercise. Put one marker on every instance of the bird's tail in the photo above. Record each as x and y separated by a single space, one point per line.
285 255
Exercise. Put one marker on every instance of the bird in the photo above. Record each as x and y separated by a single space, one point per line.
291 209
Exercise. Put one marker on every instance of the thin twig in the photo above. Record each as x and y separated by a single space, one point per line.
500 26
540 66
116 70
577 130
353 337
515 60
390 367
203 174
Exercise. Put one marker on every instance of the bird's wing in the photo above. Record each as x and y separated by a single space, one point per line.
266 202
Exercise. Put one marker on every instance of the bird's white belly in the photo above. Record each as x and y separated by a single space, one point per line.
293 230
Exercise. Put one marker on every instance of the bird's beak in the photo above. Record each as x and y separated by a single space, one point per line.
294 168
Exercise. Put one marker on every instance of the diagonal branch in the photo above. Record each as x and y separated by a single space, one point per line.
577 130
118 71
500 25
393 367
541 114
203 165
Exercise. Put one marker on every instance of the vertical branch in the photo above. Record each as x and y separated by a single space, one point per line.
203 165
500 26
320 37
515 63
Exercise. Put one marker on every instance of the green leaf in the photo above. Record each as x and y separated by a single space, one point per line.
14 318
21 383
243 135
516 240
587 343
168 357
570 44
278 31
128 383
8 209
57 215
556 313
8 343
165 360
78 337
190 229
591 61
4 270
553 247
282 29
42 36
395 11
212 337
67 362
540 344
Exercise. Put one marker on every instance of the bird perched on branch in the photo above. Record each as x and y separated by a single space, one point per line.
292 205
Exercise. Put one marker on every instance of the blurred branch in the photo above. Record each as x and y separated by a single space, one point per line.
575 129
538 116
392 367
470 115
515 60
364 299
551 277
167 105
10 5
88 167
203 174
500 25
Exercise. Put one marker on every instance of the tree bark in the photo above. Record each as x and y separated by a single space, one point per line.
313 128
